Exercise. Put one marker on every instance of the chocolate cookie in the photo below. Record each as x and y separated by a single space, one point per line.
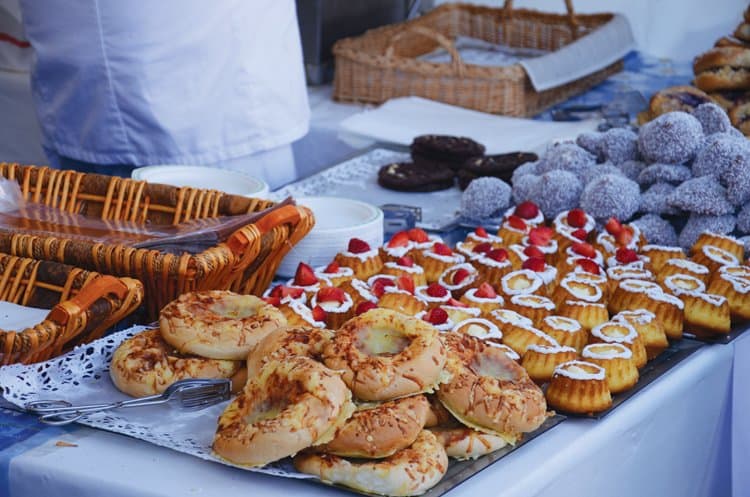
498 166
410 177
447 151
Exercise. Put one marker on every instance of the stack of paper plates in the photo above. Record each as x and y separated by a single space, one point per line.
210 178
336 221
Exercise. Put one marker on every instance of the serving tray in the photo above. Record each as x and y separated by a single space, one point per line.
737 329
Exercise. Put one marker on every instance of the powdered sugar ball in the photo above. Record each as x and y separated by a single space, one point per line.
698 223
743 219
592 143
631 169
524 169
611 195
654 200
737 178
713 119
668 173
566 156
671 138
594 172
619 145
556 192
720 154
485 197
702 195
657 231
525 187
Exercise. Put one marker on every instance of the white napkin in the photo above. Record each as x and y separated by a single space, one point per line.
401 119
14 317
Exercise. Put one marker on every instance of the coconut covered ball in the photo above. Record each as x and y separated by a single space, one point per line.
667 173
743 220
654 200
594 172
698 223
671 138
524 187
557 191
703 195
566 156
737 179
485 197
713 119
657 231
611 196
524 169
592 142
619 145
631 169
721 154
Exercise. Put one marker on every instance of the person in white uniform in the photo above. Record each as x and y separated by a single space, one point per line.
119 84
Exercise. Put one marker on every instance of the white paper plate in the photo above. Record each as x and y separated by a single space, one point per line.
336 221
211 178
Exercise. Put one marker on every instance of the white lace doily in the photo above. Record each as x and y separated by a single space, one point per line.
82 376
358 179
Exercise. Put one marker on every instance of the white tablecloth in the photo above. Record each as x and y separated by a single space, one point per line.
741 417
672 438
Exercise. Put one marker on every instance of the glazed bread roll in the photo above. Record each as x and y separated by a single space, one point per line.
286 342
218 324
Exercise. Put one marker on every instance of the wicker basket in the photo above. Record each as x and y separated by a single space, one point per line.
245 263
83 304
383 64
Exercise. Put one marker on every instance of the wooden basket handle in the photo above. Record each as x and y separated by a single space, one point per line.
100 287
289 214
572 19
442 40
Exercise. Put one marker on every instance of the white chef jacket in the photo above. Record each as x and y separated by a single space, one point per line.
166 81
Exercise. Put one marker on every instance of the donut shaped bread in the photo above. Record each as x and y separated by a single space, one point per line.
379 431
291 405
385 355
463 443
287 342
146 365
411 471
218 324
488 391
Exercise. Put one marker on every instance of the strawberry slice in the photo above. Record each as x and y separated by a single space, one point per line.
418 235
626 255
436 316
613 226
540 235
527 210
485 291
357 246
456 303
292 292
332 268
517 223
499 255
482 248
406 283
305 275
436 290
625 236
379 286
576 218
481 232
534 263
318 313
580 234
363 307
588 265
331 294
532 251
400 239
274 301
584 249
405 261
460 275
442 249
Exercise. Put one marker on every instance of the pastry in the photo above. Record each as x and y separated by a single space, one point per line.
519 337
579 387
573 288
337 304
722 68
714 257
658 255
684 98
403 302
588 314
406 266
433 295
623 333
364 260
459 278
464 443
683 266
534 307
618 363
335 273
411 177
436 259
493 265
480 328
513 230
706 313
540 361
735 289
727 243
484 298
565 331
740 117
648 327
522 282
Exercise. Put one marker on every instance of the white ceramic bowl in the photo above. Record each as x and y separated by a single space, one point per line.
336 221
211 178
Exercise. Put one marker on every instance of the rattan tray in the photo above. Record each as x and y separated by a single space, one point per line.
83 305
383 63
245 263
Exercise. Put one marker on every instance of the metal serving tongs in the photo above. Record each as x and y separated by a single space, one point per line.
191 394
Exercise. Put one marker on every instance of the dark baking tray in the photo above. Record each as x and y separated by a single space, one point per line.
460 471
653 370
737 330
